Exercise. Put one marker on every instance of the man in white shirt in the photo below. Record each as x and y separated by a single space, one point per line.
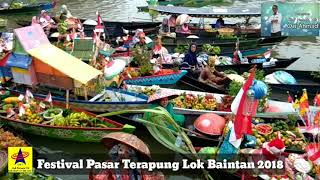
275 21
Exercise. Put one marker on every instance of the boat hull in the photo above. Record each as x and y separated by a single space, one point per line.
224 46
166 79
241 68
102 106
33 8
64 133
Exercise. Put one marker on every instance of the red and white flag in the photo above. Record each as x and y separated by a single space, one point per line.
290 99
48 98
99 27
28 96
22 110
313 153
267 54
242 123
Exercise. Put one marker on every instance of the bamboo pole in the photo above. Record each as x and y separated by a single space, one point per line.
85 93
67 98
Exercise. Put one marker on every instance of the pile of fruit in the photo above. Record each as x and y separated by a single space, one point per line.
8 139
74 119
267 132
38 113
31 117
147 90
191 101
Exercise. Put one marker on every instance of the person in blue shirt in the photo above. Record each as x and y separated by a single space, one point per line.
219 23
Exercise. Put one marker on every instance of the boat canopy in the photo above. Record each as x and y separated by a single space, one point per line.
19 61
35 42
213 12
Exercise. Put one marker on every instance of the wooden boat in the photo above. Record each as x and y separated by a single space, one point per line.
109 100
225 46
197 85
286 108
304 81
29 8
80 134
248 52
214 39
241 68
194 83
167 76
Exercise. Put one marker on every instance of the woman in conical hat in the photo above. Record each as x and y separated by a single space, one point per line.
162 98
125 146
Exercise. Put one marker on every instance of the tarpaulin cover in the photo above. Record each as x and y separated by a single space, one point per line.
65 63
31 36
19 61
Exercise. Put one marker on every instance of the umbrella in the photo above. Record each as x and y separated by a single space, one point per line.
210 123
131 140
114 68
162 94
183 18
90 22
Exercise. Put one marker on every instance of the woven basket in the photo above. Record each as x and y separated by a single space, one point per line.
226 31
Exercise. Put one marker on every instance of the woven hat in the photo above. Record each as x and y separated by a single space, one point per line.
162 94
130 140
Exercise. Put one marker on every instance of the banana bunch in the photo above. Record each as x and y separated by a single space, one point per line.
74 118
73 121
58 121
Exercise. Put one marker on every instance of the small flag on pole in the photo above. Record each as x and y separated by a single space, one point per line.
290 99
267 54
48 98
242 123
21 110
29 94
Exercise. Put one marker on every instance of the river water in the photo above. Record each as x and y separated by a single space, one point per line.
125 10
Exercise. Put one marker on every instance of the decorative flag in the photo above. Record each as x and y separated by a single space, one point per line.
242 123
21 97
29 94
99 27
313 153
304 107
21 110
304 104
316 100
48 98
267 54
290 99
296 103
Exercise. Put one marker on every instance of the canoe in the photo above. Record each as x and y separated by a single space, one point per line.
120 99
224 46
29 8
214 39
194 83
80 134
304 81
248 52
166 77
286 108
241 68
197 85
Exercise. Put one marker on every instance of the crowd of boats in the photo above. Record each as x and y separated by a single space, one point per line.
189 85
